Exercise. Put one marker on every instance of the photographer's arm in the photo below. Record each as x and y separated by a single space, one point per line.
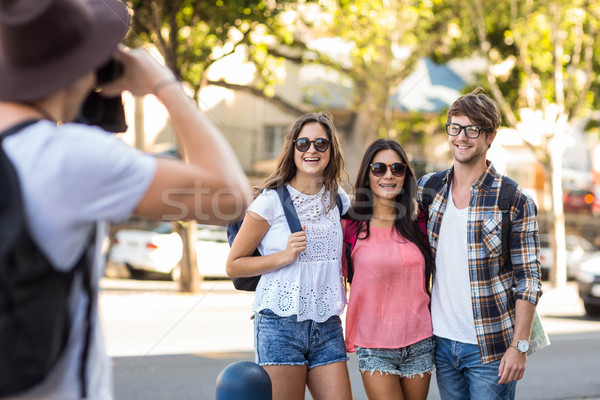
212 186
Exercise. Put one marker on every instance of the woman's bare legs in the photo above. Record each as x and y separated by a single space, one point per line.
288 381
380 386
330 382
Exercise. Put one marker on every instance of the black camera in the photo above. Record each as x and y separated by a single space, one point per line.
105 112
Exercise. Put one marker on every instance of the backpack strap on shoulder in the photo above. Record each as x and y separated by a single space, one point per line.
430 189
288 209
5 180
350 237
340 204
92 294
505 200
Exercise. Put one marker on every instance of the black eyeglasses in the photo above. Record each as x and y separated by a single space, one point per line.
379 169
303 144
472 131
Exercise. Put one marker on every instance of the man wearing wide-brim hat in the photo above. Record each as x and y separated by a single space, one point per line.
74 177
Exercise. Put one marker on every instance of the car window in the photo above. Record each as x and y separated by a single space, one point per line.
587 246
571 243
211 233
163 228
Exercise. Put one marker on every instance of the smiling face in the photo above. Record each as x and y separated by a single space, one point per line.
387 186
312 163
469 151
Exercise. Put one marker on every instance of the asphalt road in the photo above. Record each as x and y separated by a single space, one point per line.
171 346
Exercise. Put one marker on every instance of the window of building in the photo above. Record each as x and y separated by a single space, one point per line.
274 135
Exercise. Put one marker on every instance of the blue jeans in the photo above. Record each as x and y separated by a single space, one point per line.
461 375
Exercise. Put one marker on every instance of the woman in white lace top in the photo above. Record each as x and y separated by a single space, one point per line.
300 295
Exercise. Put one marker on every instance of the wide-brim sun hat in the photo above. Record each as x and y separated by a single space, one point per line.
47 44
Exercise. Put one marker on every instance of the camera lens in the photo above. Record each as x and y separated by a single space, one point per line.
109 71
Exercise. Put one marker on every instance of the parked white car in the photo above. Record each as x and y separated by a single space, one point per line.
578 250
588 282
160 250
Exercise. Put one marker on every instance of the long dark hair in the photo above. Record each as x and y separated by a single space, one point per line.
406 206
286 167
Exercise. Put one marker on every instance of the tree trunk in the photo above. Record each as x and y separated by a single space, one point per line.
189 280
558 271
359 135
138 123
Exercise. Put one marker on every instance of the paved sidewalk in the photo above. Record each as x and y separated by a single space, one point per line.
171 345
152 317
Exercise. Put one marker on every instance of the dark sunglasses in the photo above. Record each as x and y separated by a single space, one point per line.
379 169
303 144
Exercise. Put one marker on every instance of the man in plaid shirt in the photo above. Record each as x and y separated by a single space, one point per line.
482 309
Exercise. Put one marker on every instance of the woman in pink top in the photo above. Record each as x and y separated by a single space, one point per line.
388 322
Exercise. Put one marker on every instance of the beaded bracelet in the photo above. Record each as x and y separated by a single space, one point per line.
162 84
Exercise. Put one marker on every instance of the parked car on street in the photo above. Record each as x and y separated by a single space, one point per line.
160 250
578 250
581 201
588 280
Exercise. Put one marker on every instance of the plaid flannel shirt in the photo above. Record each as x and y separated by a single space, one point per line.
494 287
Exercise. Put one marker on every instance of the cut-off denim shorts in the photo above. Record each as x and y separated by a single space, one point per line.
414 359
285 341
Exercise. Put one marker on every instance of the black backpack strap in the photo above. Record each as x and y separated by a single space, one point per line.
430 189
16 128
3 135
86 264
340 204
289 210
505 200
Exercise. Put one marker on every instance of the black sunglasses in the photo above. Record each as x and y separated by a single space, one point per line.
303 144
379 169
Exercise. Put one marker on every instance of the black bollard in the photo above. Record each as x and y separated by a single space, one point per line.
244 380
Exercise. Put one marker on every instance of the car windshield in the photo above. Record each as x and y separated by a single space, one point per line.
163 228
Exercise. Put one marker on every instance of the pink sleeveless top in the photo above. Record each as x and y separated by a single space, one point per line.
388 305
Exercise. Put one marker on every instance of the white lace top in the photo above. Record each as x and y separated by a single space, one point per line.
311 287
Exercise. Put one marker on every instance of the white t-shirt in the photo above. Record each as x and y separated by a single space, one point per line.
451 305
312 286
74 179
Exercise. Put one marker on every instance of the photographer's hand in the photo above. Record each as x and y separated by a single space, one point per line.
142 73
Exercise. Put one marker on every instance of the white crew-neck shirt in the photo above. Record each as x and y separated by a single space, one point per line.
312 286
451 305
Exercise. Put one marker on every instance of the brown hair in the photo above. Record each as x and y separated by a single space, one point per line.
479 108
286 167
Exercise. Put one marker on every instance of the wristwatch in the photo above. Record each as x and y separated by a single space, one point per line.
522 346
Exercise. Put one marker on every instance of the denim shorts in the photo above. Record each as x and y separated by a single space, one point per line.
285 341
414 359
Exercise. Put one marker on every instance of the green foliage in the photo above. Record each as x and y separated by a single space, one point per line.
384 40
549 50
193 34
415 127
